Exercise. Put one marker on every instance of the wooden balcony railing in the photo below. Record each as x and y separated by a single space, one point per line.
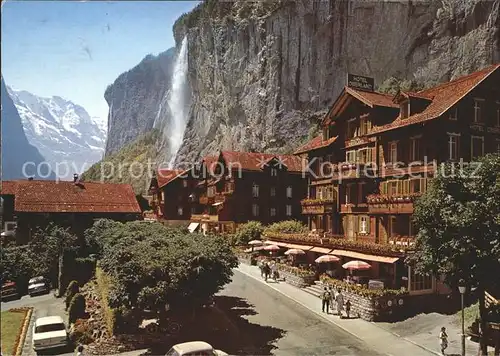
392 199
405 241
317 206
312 201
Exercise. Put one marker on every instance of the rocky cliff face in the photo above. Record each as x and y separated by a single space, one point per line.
259 71
136 99
20 160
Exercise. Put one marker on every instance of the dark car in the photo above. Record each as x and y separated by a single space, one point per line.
38 285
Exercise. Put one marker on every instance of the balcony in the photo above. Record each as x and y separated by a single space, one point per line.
223 197
204 217
317 206
357 141
391 204
402 241
354 208
204 200
417 167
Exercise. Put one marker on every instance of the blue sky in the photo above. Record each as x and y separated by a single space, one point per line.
75 49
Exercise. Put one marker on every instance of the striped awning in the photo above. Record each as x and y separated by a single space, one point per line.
364 256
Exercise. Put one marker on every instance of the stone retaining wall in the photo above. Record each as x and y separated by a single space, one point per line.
295 280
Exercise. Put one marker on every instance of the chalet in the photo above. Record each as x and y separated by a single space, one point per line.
375 156
28 204
232 188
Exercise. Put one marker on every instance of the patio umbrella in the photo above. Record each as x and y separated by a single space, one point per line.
294 251
356 265
327 259
272 248
255 242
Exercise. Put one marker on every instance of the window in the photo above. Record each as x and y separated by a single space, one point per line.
364 224
179 211
477 109
393 187
453 114
365 126
405 109
255 190
392 226
273 212
418 185
364 155
351 156
274 172
348 194
289 191
273 191
351 128
184 183
453 146
415 149
477 146
420 282
10 226
288 210
497 123
211 191
393 152
255 210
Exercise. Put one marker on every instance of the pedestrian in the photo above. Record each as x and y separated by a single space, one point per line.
267 271
340 302
325 300
347 308
79 350
332 296
443 339
261 266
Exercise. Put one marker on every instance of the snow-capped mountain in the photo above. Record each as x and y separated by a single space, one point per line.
64 133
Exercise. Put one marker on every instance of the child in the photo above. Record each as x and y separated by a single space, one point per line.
443 339
347 307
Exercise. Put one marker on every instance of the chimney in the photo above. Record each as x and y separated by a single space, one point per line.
75 178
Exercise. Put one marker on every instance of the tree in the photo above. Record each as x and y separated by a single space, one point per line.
287 227
152 265
76 308
458 222
251 230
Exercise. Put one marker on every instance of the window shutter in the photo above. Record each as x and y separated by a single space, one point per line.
399 188
406 186
383 188
368 223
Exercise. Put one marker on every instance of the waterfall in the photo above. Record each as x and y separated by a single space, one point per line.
177 103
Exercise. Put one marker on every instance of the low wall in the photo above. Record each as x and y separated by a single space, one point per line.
385 308
297 281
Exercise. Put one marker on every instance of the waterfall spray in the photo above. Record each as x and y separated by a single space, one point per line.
177 102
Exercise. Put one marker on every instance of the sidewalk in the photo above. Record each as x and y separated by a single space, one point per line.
379 339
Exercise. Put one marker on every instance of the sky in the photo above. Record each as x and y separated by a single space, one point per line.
75 49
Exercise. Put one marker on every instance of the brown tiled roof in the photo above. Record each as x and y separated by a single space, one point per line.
314 144
164 176
68 197
209 162
253 161
444 97
410 94
8 187
373 98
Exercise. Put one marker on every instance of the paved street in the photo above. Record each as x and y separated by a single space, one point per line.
279 326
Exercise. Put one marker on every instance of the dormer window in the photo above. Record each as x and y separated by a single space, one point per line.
404 108
274 172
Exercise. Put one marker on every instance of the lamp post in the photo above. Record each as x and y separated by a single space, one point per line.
462 289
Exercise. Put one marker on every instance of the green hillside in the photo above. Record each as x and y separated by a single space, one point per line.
131 164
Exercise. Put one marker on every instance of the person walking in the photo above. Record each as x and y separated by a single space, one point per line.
325 300
443 340
340 302
347 308
261 267
332 297
267 271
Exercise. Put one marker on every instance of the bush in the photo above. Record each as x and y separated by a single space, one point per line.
104 285
287 227
81 333
72 289
252 230
77 308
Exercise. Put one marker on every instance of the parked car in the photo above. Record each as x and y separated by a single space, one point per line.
49 332
9 291
194 348
38 285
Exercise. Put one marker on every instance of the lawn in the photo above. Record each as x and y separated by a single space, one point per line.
11 327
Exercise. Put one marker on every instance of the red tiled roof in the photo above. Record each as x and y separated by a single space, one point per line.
314 144
253 161
8 188
67 197
373 98
444 97
209 162
164 176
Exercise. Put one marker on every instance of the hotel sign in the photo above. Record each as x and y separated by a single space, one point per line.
359 82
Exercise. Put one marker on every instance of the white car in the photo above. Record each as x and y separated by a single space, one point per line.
37 285
194 348
49 332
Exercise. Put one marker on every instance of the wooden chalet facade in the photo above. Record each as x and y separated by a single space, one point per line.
382 151
29 204
233 188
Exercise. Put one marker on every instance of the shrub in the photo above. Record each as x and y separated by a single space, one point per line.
77 308
287 227
104 285
72 289
81 333
252 230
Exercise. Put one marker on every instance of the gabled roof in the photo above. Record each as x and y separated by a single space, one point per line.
315 144
68 197
164 176
408 94
8 188
371 99
209 162
253 161
444 97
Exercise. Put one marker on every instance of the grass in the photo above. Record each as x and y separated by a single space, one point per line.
122 166
470 315
104 286
12 323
